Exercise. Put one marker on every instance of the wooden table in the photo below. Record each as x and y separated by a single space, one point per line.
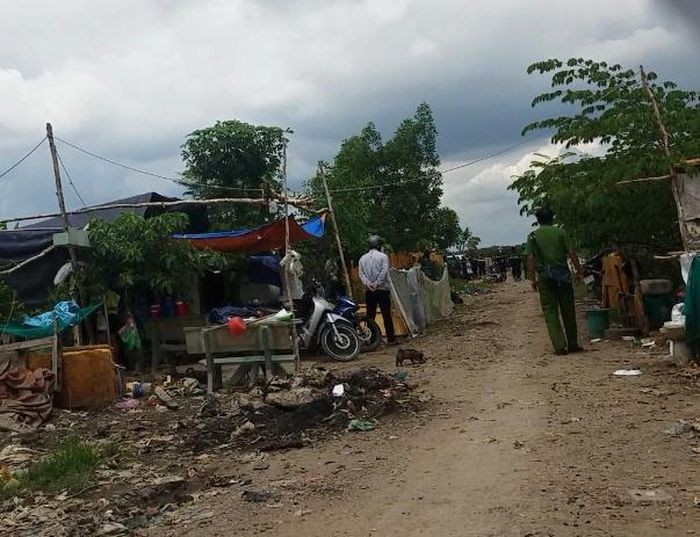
265 344
167 334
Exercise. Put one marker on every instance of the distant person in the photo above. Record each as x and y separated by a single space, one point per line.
547 250
502 266
374 274
516 265
474 262
427 265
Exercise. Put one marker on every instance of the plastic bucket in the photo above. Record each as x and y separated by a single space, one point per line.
658 309
597 321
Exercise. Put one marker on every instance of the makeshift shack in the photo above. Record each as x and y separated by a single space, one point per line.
34 280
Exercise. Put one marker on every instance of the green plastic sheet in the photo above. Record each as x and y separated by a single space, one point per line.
32 332
692 305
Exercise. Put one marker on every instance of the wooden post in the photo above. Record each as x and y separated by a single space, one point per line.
287 248
675 182
339 244
56 358
66 221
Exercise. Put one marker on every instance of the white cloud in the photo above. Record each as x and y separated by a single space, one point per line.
130 78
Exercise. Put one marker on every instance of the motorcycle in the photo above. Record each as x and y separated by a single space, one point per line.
367 329
494 276
322 327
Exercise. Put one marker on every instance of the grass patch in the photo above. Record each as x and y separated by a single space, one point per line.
69 466
468 287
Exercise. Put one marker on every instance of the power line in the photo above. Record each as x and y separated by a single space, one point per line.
448 170
175 180
25 157
70 179
486 157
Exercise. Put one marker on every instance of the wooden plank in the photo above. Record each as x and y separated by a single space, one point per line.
265 343
56 357
236 360
209 357
172 347
32 343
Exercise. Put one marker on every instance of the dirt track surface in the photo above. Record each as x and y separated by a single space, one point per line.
515 442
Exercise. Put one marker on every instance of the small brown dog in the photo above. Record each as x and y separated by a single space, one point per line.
411 355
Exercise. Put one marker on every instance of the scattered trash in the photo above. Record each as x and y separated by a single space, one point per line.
113 529
678 313
338 390
13 457
247 426
292 398
302 512
648 343
629 339
597 340
11 485
211 407
166 398
649 496
260 496
138 389
627 373
191 386
361 425
401 375
695 450
679 428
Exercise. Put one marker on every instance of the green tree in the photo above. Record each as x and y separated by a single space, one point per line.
467 240
233 159
445 229
610 107
133 252
392 188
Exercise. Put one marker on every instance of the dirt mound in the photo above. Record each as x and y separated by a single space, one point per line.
288 413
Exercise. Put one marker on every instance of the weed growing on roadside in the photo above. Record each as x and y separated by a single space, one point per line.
69 466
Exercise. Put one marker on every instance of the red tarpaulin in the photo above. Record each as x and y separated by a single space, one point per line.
262 239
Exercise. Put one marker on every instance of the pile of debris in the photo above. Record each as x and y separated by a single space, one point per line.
171 430
286 413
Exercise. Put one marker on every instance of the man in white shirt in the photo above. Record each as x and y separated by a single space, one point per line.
374 273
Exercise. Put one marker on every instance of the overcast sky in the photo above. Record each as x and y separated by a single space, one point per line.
129 79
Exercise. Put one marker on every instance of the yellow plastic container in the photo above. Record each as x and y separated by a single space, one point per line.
89 379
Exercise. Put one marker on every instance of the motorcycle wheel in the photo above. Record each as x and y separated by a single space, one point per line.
369 333
344 346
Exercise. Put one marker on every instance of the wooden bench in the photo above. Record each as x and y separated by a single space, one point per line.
266 344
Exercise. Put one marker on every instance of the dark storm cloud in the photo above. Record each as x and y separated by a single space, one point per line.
130 79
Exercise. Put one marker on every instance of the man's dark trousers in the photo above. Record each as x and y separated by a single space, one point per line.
383 299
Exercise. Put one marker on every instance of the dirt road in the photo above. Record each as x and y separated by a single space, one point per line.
515 442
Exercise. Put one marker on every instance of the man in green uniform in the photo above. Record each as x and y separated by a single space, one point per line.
547 250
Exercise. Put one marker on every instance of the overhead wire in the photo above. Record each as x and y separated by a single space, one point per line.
448 170
464 165
70 179
183 182
25 157
175 180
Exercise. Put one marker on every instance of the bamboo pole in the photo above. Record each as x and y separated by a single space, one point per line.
75 291
29 260
338 242
299 202
675 184
644 180
287 250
